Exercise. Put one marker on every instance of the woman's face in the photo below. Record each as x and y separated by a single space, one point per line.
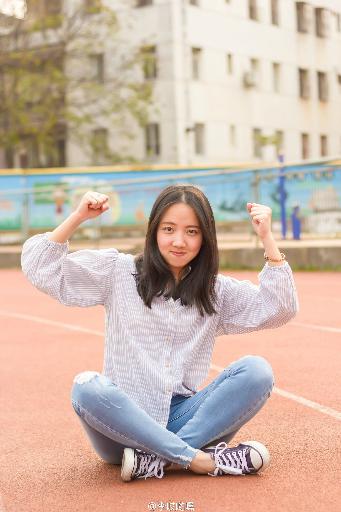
179 236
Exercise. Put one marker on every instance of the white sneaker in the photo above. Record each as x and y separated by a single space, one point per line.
247 457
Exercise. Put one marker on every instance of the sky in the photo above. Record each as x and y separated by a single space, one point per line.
15 8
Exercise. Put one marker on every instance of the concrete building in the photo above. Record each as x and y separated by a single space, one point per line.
230 72
234 80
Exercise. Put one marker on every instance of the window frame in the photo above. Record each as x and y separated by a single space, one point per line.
275 15
152 140
196 68
199 139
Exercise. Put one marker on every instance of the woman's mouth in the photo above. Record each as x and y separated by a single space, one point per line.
177 253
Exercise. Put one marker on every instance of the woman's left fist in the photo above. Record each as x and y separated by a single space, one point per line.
261 218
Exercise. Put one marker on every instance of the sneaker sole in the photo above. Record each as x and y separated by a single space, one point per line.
128 461
262 451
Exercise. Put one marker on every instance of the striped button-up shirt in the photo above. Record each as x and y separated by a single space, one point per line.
152 354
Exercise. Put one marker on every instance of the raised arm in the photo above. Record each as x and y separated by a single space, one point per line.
91 205
261 222
247 307
83 278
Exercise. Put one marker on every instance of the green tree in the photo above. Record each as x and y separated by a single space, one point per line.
55 84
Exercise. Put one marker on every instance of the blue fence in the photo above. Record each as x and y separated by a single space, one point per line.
34 200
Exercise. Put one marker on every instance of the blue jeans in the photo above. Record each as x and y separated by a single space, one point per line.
113 421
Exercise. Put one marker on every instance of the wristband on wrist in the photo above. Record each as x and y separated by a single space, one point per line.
283 257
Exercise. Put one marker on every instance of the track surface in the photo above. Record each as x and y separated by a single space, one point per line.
48 465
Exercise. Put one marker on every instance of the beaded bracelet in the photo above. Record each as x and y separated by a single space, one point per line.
275 261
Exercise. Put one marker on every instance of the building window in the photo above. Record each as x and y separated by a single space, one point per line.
276 73
9 158
152 139
321 22
274 12
279 141
324 145
196 63
229 64
99 143
303 75
257 142
199 139
253 11
23 159
302 16
143 3
30 156
322 85
57 156
149 62
233 138
97 67
305 146
255 71
255 66
61 152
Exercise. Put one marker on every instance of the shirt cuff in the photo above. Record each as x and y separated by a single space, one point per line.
56 245
276 268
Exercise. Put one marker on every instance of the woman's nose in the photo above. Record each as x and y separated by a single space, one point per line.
179 240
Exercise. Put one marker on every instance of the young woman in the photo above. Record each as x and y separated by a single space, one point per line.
164 309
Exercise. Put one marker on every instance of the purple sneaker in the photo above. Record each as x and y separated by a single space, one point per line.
138 464
247 457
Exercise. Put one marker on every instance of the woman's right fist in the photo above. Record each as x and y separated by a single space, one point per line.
92 205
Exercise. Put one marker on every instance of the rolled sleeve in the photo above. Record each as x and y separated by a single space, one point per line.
248 307
82 278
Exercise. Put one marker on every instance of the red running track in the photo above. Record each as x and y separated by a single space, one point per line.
48 465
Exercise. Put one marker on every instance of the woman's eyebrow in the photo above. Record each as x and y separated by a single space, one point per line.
173 224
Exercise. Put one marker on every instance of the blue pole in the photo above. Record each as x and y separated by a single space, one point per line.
282 195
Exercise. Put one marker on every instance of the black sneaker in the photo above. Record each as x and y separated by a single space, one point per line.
247 457
138 464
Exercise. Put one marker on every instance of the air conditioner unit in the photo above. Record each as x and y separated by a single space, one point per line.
249 79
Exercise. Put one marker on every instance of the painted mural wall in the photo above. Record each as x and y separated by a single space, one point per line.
44 200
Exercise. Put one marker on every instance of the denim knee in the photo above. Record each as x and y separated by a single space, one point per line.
81 391
89 387
86 376
259 371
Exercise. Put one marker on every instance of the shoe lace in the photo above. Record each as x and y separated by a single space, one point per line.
150 466
230 460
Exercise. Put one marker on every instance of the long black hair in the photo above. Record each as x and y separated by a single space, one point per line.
155 278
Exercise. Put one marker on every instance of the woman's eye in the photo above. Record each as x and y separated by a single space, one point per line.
192 231
167 229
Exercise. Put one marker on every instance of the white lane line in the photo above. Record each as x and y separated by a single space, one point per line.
309 403
40 320
316 327
296 398
299 399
